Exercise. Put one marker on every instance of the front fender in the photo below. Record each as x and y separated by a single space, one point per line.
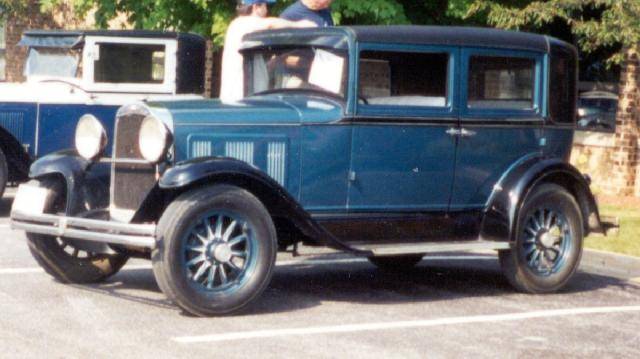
211 170
502 209
87 183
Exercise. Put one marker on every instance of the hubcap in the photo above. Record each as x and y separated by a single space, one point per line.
547 241
219 252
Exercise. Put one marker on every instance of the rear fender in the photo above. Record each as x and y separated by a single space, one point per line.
502 210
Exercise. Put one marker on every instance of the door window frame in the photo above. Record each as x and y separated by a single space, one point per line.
538 110
448 111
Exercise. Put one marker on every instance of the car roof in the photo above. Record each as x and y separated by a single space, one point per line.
111 33
599 94
427 35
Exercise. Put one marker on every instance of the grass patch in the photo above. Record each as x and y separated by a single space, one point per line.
627 240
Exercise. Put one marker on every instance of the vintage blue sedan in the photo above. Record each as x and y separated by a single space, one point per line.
384 142
70 74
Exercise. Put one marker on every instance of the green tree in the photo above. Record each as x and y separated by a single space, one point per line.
597 24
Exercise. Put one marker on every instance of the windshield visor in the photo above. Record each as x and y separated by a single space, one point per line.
322 70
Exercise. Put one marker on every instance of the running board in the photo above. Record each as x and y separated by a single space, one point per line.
424 248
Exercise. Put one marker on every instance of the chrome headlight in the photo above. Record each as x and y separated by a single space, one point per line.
91 137
154 139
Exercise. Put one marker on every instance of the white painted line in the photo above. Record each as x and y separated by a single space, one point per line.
4 226
352 328
21 270
288 263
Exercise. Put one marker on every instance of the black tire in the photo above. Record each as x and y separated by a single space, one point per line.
539 263
396 263
61 259
4 173
184 260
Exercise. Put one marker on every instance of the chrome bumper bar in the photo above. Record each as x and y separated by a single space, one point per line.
136 235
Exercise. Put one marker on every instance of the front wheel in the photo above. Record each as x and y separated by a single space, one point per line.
67 260
548 246
216 250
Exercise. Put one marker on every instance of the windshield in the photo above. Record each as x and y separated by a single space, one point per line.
304 68
53 62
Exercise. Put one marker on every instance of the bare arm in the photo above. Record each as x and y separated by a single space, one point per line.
278 23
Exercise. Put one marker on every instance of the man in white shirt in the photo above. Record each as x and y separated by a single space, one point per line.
252 16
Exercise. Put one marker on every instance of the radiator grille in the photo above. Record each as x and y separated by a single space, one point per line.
130 182
13 122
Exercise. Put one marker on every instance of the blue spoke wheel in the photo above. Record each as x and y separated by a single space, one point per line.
548 244
216 250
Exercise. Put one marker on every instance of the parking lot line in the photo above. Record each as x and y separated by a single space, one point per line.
352 328
28 270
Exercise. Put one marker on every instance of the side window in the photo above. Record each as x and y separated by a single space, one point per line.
129 63
403 79
501 83
562 89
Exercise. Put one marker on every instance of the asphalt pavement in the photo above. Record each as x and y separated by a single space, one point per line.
325 305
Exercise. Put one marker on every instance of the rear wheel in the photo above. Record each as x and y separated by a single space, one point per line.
396 263
548 245
67 260
216 250
4 172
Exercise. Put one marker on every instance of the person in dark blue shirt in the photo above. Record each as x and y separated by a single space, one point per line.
318 11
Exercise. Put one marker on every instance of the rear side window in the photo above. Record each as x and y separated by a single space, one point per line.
390 78
562 87
129 63
501 83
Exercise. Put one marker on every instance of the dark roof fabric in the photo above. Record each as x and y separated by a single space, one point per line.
451 35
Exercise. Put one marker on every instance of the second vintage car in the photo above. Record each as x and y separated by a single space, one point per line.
384 142
70 74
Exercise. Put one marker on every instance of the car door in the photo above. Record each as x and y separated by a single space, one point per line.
402 158
502 113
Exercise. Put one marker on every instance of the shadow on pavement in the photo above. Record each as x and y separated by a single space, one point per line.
5 206
298 287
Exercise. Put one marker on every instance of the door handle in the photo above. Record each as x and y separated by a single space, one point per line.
454 132
467 133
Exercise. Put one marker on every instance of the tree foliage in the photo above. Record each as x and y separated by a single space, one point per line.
596 23
211 17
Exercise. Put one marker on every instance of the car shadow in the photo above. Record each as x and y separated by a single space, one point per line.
5 206
298 287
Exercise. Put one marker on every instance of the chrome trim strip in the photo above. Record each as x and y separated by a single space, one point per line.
432 247
134 161
137 235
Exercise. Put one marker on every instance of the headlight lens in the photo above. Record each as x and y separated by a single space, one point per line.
154 139
91 137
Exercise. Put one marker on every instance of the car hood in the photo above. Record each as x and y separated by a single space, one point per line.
263 110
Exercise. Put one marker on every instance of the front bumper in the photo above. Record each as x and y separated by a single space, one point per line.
135 235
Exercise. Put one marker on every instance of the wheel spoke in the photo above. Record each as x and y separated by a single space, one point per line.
196 260
219 224
223 274
199 249
532 231
239 254
207 225
529 251
234 266
211 277
550 217
532 260
237 240
201 271
540 219
229 231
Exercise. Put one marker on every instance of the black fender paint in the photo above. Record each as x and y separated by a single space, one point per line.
210 170
17 159
501 213
87 182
